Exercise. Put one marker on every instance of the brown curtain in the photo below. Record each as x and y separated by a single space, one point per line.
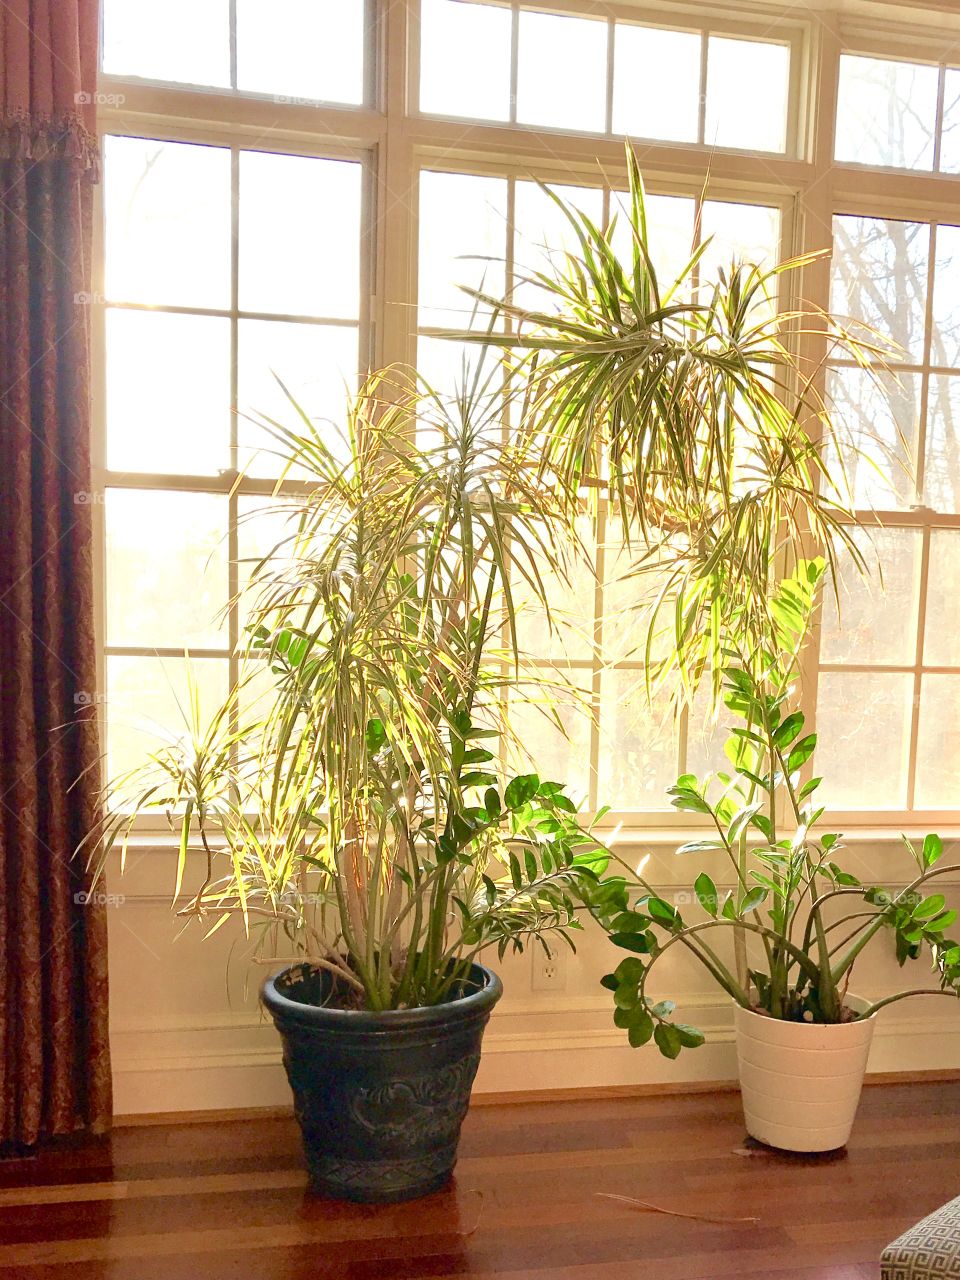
54 1053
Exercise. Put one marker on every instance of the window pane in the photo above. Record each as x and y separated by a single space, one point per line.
670 221
571 595
876 417
652 68
266 526
448 368
551 726
863 717
301 50
167 209
630 590
465 59
638 752
886 112
166 568
451 370
742 75
879 277
143 38
745 232
562 72
938 744
463 240
707 731
941 638
318 366
544 236
878 613
146 700
950 133
168 392
299 235
941 467
945 334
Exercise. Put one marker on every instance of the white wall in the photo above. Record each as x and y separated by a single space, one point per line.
187 1033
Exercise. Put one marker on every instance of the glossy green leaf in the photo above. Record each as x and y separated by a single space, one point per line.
667 1040
706 892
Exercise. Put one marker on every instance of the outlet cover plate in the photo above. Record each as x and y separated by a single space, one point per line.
549 972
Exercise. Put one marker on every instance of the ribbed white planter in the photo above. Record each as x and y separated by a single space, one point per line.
801 1082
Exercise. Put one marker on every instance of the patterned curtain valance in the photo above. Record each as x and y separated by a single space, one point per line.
48 81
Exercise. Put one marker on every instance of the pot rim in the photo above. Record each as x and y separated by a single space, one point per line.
851 1000
476 1003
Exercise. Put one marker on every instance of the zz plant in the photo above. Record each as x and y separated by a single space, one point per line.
798 920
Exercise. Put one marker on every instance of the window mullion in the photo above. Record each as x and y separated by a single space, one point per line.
599 606
233 501
514 59
919 462
815 208
608 108
918 667
233 44
393 223
938 127
702 103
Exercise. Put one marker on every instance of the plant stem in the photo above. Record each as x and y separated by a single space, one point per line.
847 962
907 995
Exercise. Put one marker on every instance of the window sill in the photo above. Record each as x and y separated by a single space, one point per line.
145 840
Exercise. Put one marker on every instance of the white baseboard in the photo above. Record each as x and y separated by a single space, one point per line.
233 1060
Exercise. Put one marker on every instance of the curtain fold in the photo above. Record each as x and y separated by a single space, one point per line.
54 1051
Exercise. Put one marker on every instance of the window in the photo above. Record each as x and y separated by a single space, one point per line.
889 672
610 745
594 74
896 114
205 306
301 188
294 50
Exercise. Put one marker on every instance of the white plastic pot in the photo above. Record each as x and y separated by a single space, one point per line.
801 1082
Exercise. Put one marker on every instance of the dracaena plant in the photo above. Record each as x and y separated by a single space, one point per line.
359 816
682 402
797 918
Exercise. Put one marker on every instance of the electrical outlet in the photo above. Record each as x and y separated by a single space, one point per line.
549 972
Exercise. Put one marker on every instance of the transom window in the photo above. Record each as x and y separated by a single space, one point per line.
599 75
295 50
903 115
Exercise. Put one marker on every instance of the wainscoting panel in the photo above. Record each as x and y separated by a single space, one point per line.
187 1033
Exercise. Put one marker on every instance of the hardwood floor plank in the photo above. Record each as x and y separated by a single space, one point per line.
227 1199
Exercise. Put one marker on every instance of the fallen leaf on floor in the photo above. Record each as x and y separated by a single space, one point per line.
673 1213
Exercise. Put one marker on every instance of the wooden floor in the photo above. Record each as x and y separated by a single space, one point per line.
215 1200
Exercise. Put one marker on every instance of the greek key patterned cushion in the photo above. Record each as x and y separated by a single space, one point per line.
928 1251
